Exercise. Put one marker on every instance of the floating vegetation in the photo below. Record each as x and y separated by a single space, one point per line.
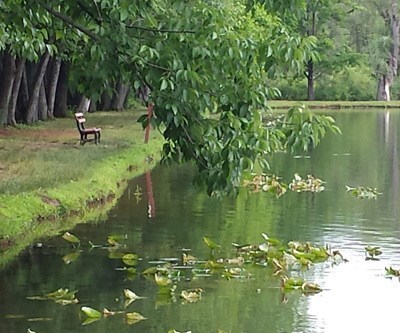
290 283
134 317
286 261
192 295
71 257
371 252
93 315
130 259
210 243
71 238
90 312
310 184
116 240
130 297
129 294
338 258
273 184
262 182
392 272
363 192
60 296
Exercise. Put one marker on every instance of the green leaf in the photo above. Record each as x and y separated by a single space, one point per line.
130 259
124 13
134 317
90 312
210 243
164 85
71 238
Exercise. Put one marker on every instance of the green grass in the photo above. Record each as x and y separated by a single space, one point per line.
46 175
48 154
335 104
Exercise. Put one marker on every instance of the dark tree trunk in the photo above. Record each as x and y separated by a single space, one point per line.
105 102
32 112
60 103
43 108
311 13
20 64
119 96
23 97
6 84
310 81
52 86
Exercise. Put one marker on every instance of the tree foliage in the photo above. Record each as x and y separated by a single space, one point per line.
207 65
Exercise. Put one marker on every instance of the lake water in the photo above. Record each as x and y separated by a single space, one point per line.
357 295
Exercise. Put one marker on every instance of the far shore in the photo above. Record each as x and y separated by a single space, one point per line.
284 104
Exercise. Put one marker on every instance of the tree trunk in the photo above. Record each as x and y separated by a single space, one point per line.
311 13
7 81
32 112
52 86
105 102
119 96
23 97
60 103
383 93
43 108
20 64
84 104
385 81
310 81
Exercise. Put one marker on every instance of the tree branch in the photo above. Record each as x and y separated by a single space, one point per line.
67 20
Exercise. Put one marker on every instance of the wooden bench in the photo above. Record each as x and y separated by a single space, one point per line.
85 132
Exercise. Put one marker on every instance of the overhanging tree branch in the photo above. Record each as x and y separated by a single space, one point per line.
67 20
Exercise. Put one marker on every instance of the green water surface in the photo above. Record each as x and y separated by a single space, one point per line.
357 296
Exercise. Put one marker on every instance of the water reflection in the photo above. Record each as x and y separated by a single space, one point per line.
173 214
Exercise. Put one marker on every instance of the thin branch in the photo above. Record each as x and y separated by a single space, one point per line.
67 20
156 66
83 6
98 10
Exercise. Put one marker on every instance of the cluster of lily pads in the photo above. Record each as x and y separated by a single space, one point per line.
362 192
283 260
273 184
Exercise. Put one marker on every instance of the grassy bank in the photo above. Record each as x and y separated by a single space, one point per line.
47 176
335 104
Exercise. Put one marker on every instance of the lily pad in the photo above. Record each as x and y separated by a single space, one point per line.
71 238
362 192
134 317
90 312
210 243
130 259
71 257
131 295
